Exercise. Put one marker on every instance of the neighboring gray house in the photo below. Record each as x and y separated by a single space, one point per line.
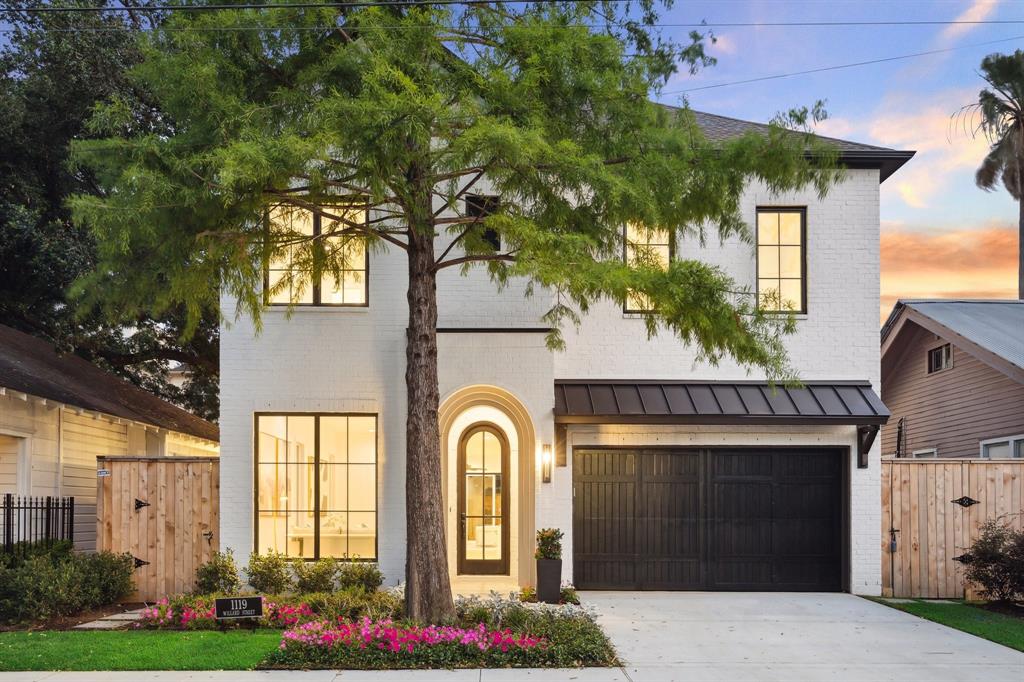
953 378
59 412
663 472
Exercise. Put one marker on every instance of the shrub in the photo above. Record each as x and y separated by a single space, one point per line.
196 612
568 595
355 603
572 632
45 586
269 573
314 576
549 544
360 574
385 645
22 551
996 562
219 574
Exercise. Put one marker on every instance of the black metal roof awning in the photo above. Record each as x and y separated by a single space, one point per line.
716 402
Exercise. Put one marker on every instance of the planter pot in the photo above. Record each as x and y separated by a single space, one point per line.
549 580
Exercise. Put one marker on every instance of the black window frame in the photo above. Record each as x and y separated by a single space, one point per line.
316 483
802 211
481 206
315 286
946 358
626 310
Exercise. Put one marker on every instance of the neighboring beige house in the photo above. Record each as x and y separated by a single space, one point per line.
58 412
953 378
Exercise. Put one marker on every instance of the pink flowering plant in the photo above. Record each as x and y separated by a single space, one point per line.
494 631
369 644
189 612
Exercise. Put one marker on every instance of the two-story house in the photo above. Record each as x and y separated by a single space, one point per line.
664 473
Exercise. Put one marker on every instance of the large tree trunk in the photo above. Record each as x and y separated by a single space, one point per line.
428 590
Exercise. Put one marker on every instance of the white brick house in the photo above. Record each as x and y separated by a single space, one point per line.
663 472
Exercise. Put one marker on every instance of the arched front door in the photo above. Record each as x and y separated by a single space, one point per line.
483 501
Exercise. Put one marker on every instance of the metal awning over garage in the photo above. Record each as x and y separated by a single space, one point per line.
686 402
720 402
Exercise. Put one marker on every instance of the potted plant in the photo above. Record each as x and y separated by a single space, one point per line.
549 565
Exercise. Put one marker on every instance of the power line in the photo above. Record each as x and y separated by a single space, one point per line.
276 5
414 3
395 27
841 66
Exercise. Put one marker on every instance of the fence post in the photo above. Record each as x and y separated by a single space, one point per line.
8 522
48 520
71 520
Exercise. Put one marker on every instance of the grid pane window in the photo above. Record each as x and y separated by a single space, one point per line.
781 280
648 247
316 485
343 285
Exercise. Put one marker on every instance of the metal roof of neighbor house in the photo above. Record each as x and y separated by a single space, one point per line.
32 365
852 154
716 402
994 326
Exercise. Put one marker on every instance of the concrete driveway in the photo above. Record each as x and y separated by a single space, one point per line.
732 636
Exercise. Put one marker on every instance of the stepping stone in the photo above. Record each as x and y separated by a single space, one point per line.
101 625
127 615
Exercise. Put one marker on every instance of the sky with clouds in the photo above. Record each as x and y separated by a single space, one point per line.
941 235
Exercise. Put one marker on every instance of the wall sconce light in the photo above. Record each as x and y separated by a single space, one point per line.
545 462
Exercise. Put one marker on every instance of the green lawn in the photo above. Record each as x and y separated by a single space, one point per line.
135 650
996 627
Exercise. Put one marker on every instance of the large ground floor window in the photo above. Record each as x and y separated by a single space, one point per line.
316 485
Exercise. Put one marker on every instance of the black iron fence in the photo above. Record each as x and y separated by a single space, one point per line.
29 520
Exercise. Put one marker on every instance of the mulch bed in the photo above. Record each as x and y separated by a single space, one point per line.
69 622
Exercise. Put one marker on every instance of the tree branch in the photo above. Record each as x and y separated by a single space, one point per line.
504 257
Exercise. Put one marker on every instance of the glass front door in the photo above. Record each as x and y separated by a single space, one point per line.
483 501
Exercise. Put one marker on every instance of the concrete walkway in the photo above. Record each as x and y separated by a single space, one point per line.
692 637
731 636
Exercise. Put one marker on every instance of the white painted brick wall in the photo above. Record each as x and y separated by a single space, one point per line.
331 359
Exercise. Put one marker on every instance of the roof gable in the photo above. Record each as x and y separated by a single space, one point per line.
32 365
990 330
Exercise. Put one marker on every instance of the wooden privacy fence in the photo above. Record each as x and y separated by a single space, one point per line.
932 512
165 512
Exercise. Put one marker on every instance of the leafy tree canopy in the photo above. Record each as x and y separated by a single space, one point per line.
407 108
54 69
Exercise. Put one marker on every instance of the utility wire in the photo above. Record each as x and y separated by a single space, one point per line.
276 5
415 3
841 66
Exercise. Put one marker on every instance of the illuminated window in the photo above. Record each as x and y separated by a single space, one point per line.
316 485
297 229
643 245
781 280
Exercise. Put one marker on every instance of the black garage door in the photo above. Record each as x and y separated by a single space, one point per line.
677 519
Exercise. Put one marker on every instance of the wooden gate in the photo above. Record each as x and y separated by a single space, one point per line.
164 511
932 510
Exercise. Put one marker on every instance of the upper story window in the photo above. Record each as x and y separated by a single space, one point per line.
348 286
781 259
940 358
643 245
481 206
1003 448
316 485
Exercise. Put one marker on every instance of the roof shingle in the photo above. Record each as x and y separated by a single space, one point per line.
31 365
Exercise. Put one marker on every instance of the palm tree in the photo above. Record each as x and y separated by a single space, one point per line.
1001 111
